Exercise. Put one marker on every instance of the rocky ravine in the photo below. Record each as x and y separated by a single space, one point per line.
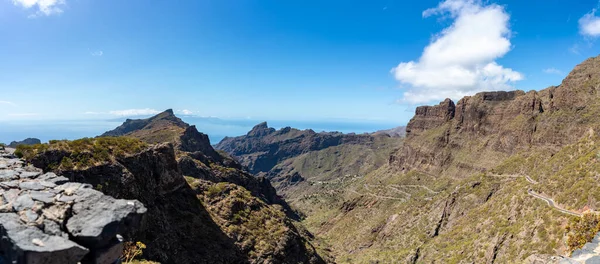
457 150
549 134
45 218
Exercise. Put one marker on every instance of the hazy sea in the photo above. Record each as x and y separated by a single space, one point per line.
216 128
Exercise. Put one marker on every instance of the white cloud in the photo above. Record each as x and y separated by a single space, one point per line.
460 60
553 71
97 53
589 24
8 103
186 112
44 7
134 112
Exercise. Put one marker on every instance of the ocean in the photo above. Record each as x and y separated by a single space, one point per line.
215 128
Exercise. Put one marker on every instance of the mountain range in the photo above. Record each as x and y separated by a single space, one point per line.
496 177
202 207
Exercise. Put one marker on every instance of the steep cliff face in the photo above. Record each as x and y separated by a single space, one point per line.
471 183
196 156
263 148
487 149
178 228
502 123
184 224
492 122
428 117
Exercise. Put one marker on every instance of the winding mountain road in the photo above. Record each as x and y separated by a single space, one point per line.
552 204
530 180
378 196
371 192
527 178
400 191
417 186
396 187
548 200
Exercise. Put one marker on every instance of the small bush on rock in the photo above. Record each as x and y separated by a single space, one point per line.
582 230
132 250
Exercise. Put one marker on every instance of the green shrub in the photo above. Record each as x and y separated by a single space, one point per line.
216 189
582 230
85 152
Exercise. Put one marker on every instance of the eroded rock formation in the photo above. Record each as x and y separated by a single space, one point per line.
502 123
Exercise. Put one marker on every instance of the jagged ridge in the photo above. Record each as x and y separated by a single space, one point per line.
262 148
190 231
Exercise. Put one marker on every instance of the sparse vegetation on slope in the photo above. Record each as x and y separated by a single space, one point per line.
457 189
261 231
83 153
224 215
582 230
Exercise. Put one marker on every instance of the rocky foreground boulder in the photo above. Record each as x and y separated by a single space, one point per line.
45 218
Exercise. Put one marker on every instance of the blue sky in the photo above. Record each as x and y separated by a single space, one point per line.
309 60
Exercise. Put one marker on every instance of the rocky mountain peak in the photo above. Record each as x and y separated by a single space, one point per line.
192 141
427 117
278 145
159 121
167 115
261 125
261 129
580 88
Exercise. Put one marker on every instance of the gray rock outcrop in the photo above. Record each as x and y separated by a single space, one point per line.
589 254
44 219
